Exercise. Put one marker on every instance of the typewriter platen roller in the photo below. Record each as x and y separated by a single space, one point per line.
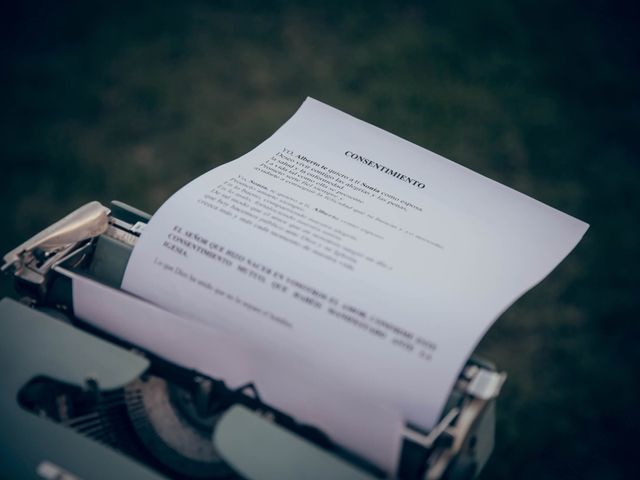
79 404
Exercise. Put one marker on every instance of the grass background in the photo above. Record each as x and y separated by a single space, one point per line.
130 101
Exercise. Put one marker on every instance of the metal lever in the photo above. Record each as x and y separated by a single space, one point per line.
88 221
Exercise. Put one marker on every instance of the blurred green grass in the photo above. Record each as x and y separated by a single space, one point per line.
130 101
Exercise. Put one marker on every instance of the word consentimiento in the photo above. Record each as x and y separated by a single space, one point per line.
382 168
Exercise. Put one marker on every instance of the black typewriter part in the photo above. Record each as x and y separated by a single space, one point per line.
162 424
172 430
139 420
165 418
168 426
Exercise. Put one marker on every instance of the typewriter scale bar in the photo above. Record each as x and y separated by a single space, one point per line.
259 443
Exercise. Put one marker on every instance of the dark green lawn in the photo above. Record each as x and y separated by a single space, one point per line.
129 102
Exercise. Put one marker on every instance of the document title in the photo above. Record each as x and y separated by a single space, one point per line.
382 168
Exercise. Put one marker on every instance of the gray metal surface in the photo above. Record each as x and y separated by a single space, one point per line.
260 450
34 345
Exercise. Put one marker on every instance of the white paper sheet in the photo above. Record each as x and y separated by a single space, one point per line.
368 429
339 245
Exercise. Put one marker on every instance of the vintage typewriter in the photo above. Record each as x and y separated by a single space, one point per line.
76 403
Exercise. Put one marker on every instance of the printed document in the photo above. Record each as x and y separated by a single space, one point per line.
344 251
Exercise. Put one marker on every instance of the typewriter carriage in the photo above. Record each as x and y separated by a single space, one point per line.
96 242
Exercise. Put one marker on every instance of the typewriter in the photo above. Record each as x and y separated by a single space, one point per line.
77 403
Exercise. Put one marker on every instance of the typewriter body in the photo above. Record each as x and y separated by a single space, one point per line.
76 403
